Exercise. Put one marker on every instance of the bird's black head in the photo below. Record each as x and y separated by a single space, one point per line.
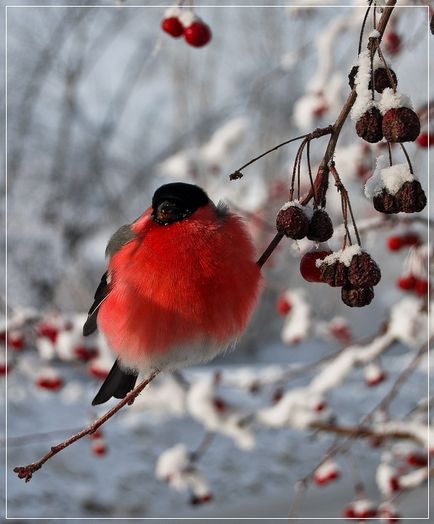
174 202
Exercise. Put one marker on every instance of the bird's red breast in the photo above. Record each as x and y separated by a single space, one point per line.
194 281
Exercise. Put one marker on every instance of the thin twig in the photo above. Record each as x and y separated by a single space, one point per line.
26 472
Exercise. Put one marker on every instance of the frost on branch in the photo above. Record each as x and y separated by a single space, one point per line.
176 467
217 415
297 324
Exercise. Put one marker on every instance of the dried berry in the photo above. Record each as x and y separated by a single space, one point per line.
363 271
401 124
386 203
382 79
352 76
320 226
292 222
357 296
335 274
411 197
369 126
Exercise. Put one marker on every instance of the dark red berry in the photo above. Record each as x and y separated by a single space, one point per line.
411 197
363 271
50 383
425 140
401 124
197 34
392 41
386 203
407 283
421 287
335 274
417 459
292 222
369 126
308 268
357 296
382 79
411 239
320 226
172 26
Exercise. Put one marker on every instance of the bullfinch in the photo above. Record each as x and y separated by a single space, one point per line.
180 287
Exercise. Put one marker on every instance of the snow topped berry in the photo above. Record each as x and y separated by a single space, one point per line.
171 24
292 220
394 189
400 122
320 226
196 33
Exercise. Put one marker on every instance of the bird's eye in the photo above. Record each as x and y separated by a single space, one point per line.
168 212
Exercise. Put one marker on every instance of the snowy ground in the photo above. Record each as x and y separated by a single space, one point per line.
123 484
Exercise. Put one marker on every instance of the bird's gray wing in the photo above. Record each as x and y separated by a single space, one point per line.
123 236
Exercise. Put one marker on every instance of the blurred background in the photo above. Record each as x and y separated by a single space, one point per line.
102 108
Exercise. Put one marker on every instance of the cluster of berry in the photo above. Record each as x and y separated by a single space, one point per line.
296 221
177 23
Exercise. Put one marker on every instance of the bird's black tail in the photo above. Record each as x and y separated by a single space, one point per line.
117 384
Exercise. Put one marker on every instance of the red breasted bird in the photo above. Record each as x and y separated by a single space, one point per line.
181 285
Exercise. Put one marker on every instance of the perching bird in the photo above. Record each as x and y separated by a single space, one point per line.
180 287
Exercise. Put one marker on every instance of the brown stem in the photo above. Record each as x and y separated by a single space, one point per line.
26 472
355 432
271 247
407 157
319 132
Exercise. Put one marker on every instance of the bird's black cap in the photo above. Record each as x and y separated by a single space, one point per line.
188 196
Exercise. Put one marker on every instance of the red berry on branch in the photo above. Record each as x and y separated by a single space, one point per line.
97 434
48 331
16 341
277 396
395 243
411 239
394 484
392 42
99 449
283 305
422 287
219 404
417 459
424 140
407 283
349 512
308 269
84 353
197 34
4 369
172 26
50 383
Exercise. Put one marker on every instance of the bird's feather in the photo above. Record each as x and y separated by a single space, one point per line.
119 239
117 384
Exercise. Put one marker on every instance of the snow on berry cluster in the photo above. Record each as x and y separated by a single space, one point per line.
394 188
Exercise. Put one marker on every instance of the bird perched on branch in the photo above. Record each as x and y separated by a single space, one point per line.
180 287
